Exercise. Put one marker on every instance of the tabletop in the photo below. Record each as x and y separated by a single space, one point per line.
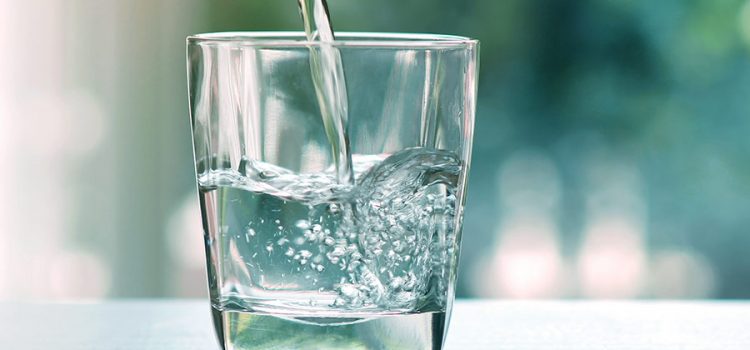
476 324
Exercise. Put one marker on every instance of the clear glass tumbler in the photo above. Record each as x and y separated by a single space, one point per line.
299 256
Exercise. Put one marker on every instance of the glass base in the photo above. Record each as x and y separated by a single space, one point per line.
246 330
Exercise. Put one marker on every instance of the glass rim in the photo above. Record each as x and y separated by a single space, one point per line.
292 39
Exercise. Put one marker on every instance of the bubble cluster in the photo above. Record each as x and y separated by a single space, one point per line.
382 244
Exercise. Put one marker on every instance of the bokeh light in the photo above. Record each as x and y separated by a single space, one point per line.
681 274
73 275
526 261
612 261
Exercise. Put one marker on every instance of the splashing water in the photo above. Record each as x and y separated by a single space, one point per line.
288 241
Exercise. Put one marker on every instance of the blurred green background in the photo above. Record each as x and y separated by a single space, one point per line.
611 158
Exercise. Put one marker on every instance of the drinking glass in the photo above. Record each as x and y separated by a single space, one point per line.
297 255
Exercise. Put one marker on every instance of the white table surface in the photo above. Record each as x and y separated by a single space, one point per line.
579 325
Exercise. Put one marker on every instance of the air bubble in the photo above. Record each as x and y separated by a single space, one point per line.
333 208
303 224
305 254
309 235
349 291
266 174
